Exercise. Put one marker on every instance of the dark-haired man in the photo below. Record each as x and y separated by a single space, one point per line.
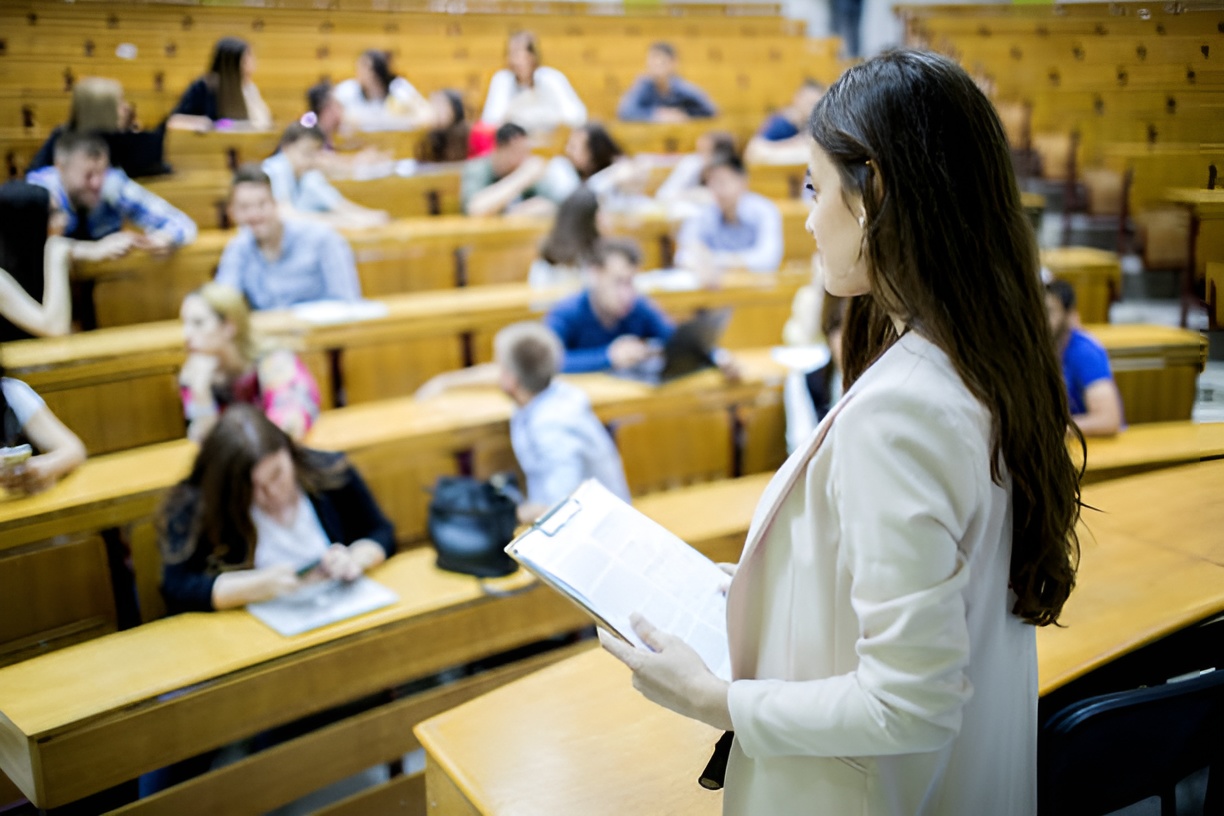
1096 405
661 95
512 181
608 324
97 200
783 138
739 230
276 262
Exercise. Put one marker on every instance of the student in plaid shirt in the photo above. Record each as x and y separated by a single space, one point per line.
98 200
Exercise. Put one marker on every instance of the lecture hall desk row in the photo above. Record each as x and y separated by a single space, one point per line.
91 716
117 388
409 255
54 582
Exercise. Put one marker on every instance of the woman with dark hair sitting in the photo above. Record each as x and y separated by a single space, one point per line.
302 191
26 420
454 138
602 165
570 245
379 99
35 300
881 622
226 92
260 517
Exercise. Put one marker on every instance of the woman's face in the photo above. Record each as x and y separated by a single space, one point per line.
247 63
274 488
204 332
520 60
303 154
365 75
835 224
578 150
444 114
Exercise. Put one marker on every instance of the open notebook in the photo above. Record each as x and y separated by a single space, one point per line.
613 561
321 604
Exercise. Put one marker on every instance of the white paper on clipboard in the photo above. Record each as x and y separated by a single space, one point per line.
613 561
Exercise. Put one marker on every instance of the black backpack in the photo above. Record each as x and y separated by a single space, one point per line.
471 522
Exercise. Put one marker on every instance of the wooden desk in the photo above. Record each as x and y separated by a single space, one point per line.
1141 448
186 684
1094 274
587 731
117 388
1156 368
1203 205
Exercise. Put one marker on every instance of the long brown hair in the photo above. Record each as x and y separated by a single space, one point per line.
571 241
214 502
225 77
951 251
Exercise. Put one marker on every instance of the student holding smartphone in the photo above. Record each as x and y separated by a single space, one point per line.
37 449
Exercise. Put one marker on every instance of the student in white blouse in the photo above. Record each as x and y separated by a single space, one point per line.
378 99
881 618
531 95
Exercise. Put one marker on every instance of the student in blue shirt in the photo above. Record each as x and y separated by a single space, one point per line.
661 96
97 200
739 230
302 191
608 325
1096 405
277 263
782 139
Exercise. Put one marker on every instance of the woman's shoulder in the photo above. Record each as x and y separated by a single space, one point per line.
548 73
21 398
915 384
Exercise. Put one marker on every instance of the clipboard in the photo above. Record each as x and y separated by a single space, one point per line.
611 560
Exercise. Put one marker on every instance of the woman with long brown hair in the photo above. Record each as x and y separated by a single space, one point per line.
530 94
260 517
226 93
881 618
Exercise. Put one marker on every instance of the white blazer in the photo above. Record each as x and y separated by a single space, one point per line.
878 669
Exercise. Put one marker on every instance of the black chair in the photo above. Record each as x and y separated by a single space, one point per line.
1106 752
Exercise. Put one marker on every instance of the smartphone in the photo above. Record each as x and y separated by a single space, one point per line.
11 457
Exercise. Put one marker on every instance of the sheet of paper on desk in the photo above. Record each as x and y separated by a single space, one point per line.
321 604
614 561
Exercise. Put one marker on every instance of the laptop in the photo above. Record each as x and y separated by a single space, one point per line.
690 348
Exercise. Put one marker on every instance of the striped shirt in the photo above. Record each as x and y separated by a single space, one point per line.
122 200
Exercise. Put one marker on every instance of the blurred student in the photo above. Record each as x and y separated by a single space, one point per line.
661 95
609 324
98 107
379 99
325 112
225 93
512 181
739 230
684 183
226 366
35 299
557 439
26 420
530 94
97 200
602 165
454 137
279 262
260 517
781 139
1096 404
302 191
569 248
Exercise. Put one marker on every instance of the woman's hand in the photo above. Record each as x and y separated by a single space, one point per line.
343 563
672 674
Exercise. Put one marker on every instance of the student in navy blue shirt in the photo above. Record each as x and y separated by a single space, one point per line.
660 95
608 324
783 137
1096 405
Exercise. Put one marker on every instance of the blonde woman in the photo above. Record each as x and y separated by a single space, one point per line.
226 366
98 106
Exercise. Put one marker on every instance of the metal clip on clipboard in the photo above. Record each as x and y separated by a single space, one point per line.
560 515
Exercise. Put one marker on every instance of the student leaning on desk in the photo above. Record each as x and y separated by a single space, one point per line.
881 620
260 517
